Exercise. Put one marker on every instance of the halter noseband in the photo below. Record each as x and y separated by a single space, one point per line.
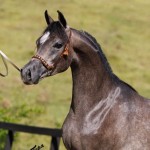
64 53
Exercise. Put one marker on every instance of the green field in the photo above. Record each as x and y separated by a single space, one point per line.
121 27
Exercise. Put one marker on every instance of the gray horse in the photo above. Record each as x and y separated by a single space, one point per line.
105 113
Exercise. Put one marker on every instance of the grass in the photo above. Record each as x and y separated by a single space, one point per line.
122 29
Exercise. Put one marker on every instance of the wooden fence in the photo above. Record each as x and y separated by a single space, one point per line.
12 128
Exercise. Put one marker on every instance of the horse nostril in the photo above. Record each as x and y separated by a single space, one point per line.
28 74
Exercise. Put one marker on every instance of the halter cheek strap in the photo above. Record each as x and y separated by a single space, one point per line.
66 51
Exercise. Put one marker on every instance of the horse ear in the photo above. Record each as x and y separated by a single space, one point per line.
48 19
62 19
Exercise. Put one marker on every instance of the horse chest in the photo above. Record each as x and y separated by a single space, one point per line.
76 137
71 135
79 135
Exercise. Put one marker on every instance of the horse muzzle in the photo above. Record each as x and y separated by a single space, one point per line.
33 71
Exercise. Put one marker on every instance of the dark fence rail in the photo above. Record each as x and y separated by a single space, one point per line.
12 128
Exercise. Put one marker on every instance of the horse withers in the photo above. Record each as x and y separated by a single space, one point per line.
105 113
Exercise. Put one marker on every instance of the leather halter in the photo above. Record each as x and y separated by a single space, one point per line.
64 53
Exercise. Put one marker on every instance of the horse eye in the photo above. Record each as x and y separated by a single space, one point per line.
58 45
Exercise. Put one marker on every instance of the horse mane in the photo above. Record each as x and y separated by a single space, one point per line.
104 60
97 46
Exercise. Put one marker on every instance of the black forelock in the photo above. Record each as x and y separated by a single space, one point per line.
56 28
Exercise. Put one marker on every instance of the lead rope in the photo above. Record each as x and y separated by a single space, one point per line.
4 58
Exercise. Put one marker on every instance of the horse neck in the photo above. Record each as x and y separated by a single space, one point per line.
91 80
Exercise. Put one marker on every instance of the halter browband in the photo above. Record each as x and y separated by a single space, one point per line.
65 52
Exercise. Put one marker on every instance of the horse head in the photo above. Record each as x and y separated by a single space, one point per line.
53 54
